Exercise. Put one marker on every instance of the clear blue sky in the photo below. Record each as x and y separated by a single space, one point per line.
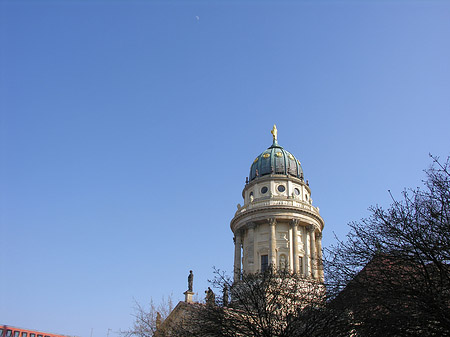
128 128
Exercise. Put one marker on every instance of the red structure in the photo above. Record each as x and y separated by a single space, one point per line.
12 331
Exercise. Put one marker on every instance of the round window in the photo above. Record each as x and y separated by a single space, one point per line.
281 188
297 191
264 190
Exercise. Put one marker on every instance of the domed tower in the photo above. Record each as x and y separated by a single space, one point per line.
277 226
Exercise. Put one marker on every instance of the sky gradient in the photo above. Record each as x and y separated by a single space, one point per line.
127 129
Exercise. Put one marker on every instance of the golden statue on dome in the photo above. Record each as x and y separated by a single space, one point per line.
274 132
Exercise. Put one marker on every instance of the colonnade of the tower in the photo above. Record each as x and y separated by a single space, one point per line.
303 257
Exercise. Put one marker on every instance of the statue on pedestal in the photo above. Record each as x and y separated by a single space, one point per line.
190 281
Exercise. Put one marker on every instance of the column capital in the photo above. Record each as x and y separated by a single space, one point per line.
318 235
238 233
294 222
251 225
311 228
272 221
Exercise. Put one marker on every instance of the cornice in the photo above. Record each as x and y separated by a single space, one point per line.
270 209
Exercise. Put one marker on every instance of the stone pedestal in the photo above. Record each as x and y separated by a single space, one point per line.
188 296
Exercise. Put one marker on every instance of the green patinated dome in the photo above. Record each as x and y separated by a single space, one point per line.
276 160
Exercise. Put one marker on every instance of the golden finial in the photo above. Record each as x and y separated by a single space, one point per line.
274 132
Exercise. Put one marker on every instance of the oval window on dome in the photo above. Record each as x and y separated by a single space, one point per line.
266 155
297 191
264 190
291 157
281 188
279 154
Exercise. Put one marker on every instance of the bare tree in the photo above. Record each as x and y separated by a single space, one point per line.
392 273
147 320
273 303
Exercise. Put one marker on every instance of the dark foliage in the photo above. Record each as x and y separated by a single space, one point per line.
273 303
392 273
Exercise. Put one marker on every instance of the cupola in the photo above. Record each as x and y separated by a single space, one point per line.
276 160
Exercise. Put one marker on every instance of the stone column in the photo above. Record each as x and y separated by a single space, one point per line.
306 248
312 236
296 262
291 250
272 244
237 255
319 256
251 246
